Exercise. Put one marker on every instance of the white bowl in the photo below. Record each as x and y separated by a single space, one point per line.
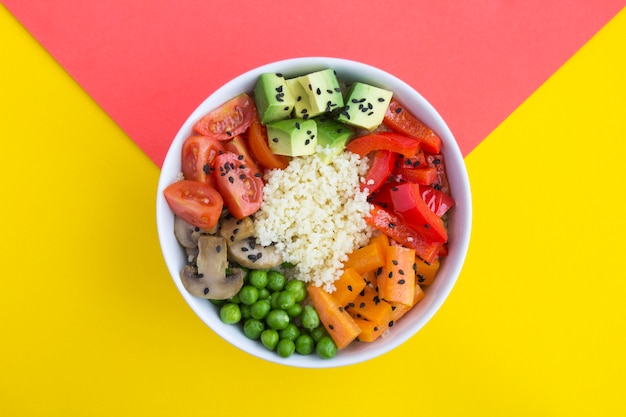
459 222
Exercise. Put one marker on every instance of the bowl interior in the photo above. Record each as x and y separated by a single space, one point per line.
459 222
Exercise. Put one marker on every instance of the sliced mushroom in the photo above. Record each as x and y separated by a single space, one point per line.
234 230
210 279
249 254
188 234
192 254
183 231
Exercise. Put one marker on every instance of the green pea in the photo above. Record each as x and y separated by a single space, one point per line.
274 300
277 319
326 348
258 278
310 318
234 299
260 308
264 294
248 294
285 299
245 311
285 348
275 281
290 332
230 313
298 288
319 332
253 328
269 338
304 344
295 310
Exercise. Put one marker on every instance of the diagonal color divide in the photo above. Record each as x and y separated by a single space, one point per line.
148 65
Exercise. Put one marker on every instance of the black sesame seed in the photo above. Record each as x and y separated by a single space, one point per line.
391 323
380 99
395 262
331 327
401 282
258 175
427 226
436 161
275 140
349 287
229 133
218 248
297 125
206 168
279 88
278 74
306 142
318 91
362 305
244 249
341 309
240 157
399 110
252 257
231 180
206 290
390 275
392 225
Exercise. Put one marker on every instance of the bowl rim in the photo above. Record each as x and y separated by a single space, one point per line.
460 188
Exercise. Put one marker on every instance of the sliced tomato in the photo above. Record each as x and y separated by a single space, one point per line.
401 120
239 183
239 145
382 166
423 176
391 225
438 202
438 163
229 120
257 140
195 202
390 141
197 157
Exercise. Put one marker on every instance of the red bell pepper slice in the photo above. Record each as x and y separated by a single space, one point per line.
422 176
412 209
401 120
391 225
438 202
382 167
438 163
415 161
390 141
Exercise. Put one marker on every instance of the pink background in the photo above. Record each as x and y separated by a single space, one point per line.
149 64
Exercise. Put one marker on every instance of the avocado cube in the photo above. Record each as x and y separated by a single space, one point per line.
332 137
273 98
365 106
301 108
323 91
292 137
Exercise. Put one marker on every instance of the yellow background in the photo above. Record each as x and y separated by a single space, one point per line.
92 324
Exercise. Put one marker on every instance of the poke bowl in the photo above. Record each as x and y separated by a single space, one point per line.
375 152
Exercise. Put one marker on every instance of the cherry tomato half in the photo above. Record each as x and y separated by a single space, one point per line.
239 183
228 120
195 202
197 157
